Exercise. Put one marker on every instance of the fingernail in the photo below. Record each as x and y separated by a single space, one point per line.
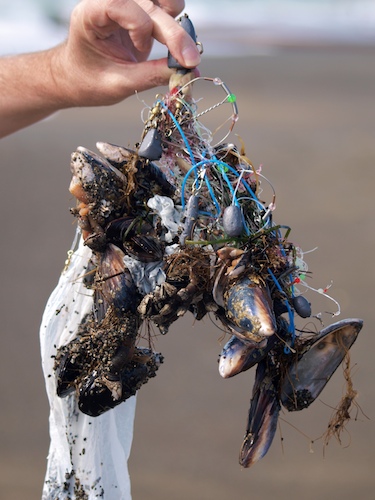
191 56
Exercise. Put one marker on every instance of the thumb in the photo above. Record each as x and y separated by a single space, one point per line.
149 74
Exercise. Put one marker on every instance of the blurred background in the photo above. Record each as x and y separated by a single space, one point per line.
304 76
36 24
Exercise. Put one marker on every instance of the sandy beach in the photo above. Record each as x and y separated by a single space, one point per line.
307 115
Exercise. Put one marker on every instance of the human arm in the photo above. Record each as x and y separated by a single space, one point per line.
103 60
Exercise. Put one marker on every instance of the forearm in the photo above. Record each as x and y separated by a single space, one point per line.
102 62
28 90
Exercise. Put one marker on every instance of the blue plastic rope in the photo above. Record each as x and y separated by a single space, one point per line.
291 328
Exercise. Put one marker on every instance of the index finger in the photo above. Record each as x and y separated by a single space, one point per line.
168 32
171 7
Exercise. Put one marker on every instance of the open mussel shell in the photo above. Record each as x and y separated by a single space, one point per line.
308 375
248 306
263 416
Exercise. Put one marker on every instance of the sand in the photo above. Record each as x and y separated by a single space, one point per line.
308 116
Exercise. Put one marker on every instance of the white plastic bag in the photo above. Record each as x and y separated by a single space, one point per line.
87 456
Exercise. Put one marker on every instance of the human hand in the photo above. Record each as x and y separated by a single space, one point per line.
104 59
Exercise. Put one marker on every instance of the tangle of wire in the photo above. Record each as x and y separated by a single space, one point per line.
199 170
203 162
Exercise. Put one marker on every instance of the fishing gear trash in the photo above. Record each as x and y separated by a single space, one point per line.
177 224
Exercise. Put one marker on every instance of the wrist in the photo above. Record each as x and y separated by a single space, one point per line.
60 91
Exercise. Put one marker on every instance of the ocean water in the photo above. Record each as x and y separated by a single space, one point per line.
36 24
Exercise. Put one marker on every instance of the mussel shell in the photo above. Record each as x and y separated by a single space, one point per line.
131 238
248 306
118 230
115 286
263 416
67 372
117 155
145 248
97 177
96 398
240 355
159 182
98 187
308 375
